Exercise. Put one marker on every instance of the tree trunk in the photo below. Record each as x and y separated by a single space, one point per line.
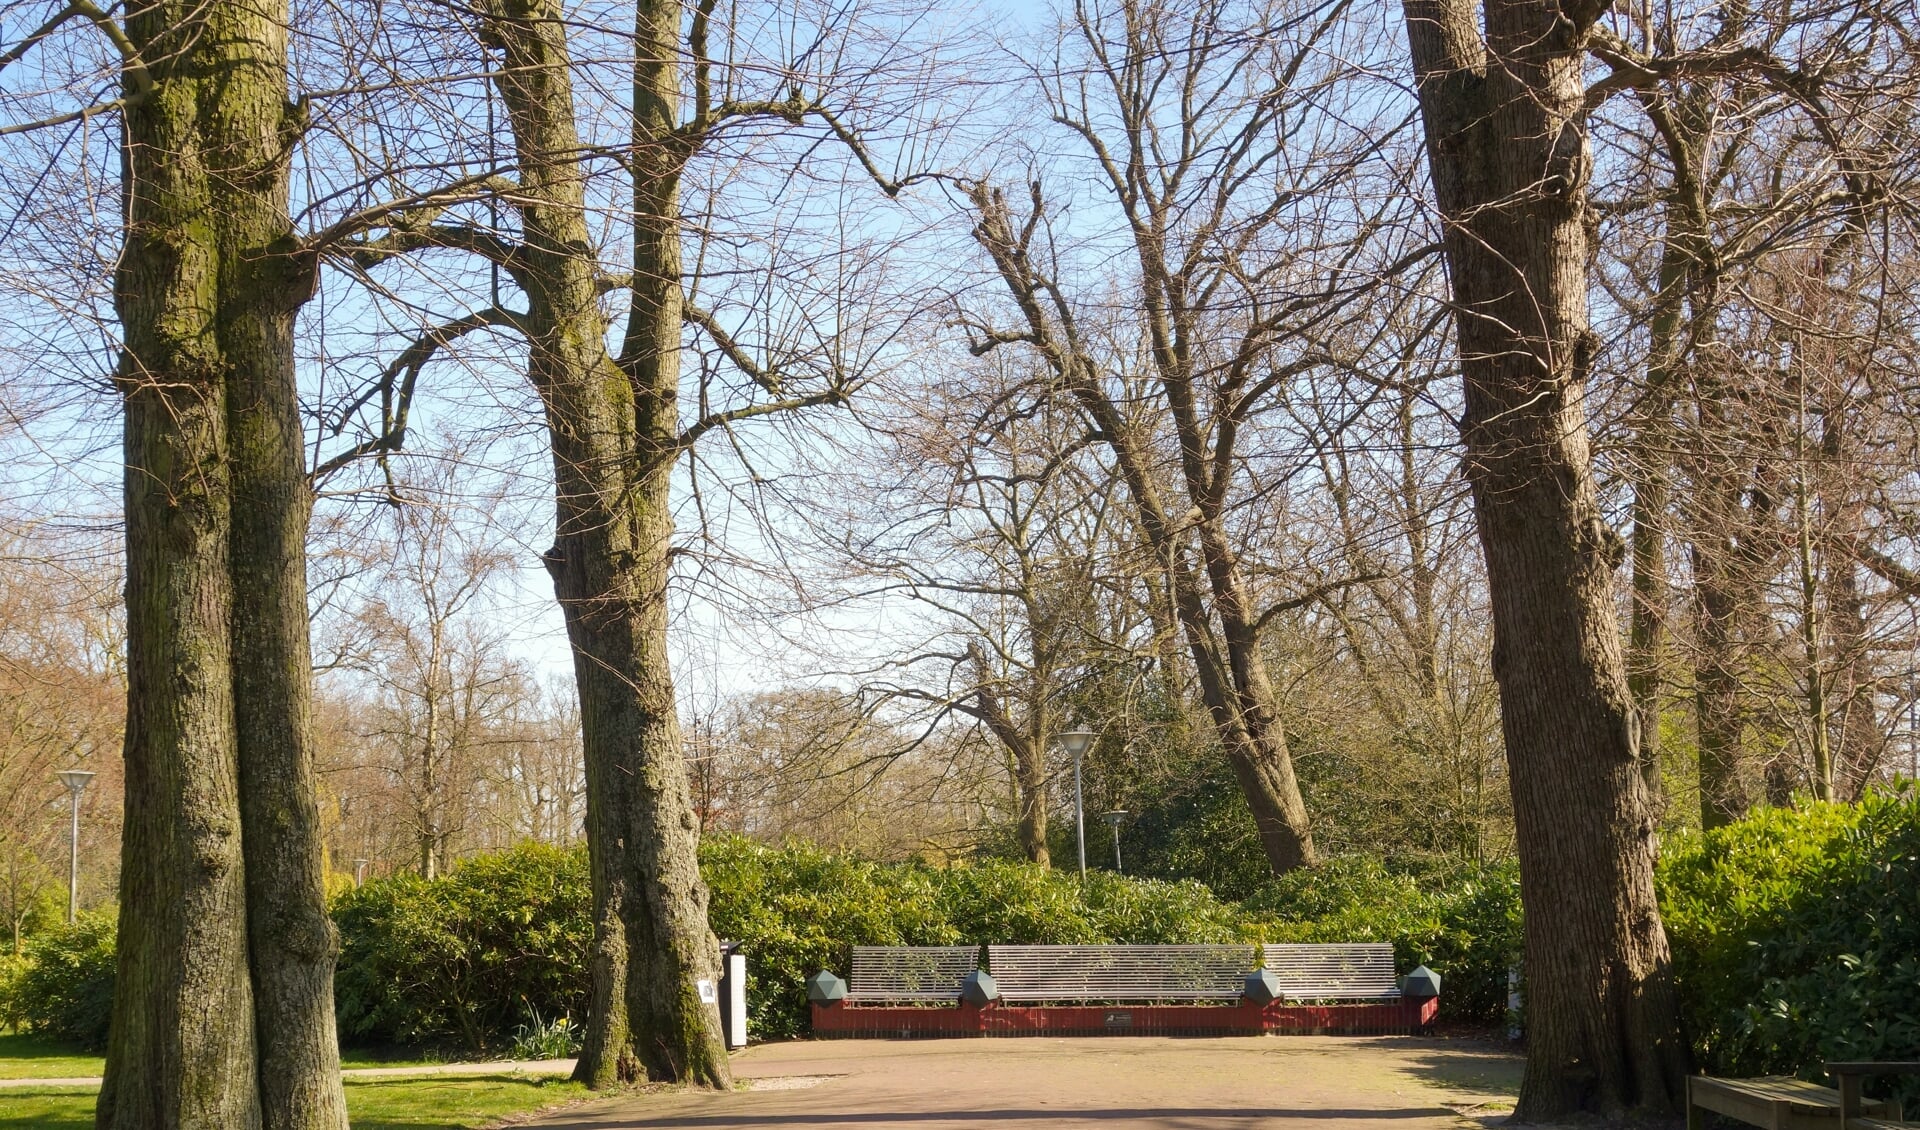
1032 786
1858 740
1687 287
1652 495
615 436
1716 682
1027 745
223 1005
1504 118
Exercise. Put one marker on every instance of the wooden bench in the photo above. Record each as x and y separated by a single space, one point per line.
1775 1102
1351 971
1120 974
907 974
1852 1077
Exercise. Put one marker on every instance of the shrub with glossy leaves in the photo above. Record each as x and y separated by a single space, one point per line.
800 909
1796 936
1463 922
463 959
64 988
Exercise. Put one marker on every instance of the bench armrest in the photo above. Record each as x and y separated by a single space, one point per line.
1851 1074
1870 1067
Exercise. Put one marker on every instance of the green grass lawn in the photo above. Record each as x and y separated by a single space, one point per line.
407 1103
29 1057
430 1103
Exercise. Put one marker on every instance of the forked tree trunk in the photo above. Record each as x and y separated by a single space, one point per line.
1027 744
223 1004
1209 597
1506 144
614 429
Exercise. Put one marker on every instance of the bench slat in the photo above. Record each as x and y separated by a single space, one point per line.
1120 973
1771 1101
1343 971
910 973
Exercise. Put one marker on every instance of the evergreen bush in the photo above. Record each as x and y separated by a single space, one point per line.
1796 936
64 988
1463 922
800 909
461 960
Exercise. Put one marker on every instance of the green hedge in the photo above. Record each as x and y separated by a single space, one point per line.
464 960
64 988
1796 936
801 909
1464 923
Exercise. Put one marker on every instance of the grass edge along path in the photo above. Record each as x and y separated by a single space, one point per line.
377 1103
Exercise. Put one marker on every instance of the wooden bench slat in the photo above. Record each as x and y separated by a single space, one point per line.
1776 1102
1874 1067
1776 1088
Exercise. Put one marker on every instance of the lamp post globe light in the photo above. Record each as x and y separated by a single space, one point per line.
1114 819
76 782
1077 743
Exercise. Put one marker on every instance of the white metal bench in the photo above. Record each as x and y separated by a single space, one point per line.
1351 971
910 973
1114 974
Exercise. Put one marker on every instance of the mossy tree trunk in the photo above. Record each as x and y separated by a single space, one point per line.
1503 103
223 1007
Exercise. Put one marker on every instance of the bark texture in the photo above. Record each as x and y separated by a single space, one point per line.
614 426
223 1007
1503 107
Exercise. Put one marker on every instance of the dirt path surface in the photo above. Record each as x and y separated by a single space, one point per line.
1326 1083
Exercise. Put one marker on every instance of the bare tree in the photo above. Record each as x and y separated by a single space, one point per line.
1243 268
443 691
617 434
62 689
986 511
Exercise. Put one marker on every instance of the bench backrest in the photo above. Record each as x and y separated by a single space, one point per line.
1120 973
1346 971
910 973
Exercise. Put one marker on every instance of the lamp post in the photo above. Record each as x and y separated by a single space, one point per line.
1114 819
76 782
1077 743
360 871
